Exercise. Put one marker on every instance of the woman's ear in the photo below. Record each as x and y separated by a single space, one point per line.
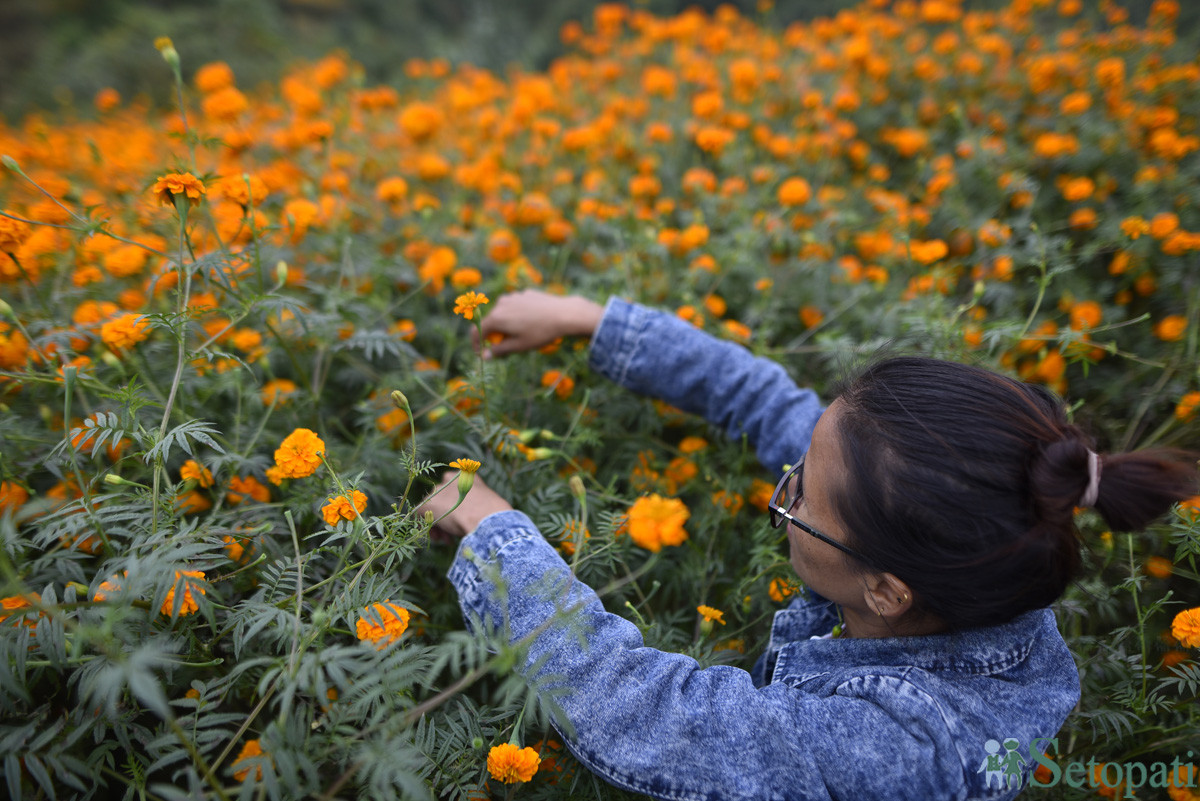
887 595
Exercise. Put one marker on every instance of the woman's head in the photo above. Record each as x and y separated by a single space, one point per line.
963 483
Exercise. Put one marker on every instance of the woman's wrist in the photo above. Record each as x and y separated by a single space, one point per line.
579 316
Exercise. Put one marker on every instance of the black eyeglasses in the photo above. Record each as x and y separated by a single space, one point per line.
787 494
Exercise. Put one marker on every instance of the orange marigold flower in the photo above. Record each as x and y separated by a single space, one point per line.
563 384
299 455
466 304
1134 227
794 192
781 588
252 748
711 614
278 391
509 764
1085 314
1184 411
12 496
168 186
928 251
246 488
125 331
110 587
213 77
1186 627
382 623
392 190
188 605
1159 567
194 471
341 508
655 521
14 603
1171 328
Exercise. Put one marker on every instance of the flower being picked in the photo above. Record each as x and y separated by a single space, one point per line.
173 184
510 764
392 622
466 304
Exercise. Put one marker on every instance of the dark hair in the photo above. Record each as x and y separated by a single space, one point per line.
963 483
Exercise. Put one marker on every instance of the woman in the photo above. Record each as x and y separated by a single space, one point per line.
929 511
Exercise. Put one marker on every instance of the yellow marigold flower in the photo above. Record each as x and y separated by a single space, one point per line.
466 304
299 455
194 471
392 622
465 465
1186 627
125 331
178 183
510 764
1185 411
188 605
711 614
340 508
252 748
655 521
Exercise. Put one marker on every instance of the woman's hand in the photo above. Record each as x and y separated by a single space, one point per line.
531 319
480 502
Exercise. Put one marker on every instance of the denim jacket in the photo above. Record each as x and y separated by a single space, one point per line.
948 716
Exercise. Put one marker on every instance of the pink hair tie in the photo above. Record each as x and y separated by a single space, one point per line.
1092 493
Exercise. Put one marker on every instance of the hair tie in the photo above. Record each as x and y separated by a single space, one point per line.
1092 493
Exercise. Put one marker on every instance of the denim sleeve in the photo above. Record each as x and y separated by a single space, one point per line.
656 723
657 354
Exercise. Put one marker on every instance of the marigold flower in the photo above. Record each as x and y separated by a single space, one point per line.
393 620
466 304
173 184
794 192
509 764
194 471
252 748
188 606
465 465
278 391
655 521
1186 627
563 384
122 333
110 587
243 488
928 251
1184 411
341 508
1159 567
14 603
12 496
299 455
711 614
1171 328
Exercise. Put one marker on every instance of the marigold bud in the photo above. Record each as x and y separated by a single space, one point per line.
400 399
5 309
9 162
577 488
466 480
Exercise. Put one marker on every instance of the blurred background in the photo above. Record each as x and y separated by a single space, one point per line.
59 53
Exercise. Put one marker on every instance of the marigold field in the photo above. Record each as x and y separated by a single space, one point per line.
214 581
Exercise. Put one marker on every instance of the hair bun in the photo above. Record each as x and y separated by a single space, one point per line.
1060 478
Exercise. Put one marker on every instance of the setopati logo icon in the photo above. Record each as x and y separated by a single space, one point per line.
1005 767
